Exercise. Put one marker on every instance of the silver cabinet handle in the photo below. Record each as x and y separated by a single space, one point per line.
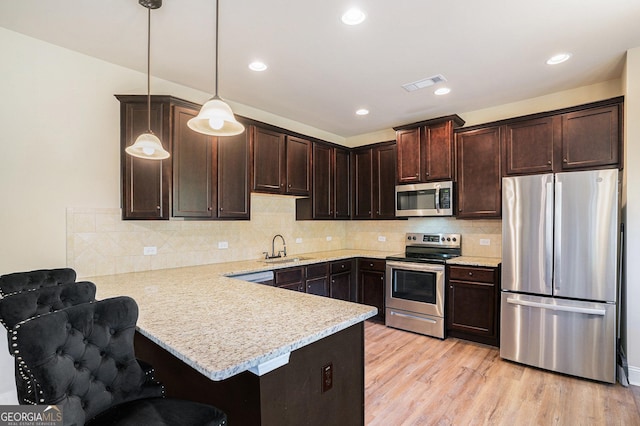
413 317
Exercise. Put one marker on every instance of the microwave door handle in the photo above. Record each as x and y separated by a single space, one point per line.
438 200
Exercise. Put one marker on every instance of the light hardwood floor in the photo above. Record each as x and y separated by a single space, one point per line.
417 380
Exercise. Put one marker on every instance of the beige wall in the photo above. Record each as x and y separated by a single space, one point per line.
631 210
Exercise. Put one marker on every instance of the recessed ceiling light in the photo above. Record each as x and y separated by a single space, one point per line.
362 111
442 91
257 66
353 16
558 59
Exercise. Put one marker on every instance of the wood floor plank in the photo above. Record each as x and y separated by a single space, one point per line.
418 380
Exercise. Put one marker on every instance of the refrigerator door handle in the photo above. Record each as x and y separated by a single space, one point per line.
557 245
562 308
548 233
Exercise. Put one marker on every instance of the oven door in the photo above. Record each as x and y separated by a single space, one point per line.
415 287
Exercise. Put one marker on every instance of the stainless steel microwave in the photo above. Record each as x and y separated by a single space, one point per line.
424 199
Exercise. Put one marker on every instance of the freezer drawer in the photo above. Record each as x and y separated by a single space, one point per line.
567 336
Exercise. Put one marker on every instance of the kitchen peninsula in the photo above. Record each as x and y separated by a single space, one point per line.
262 354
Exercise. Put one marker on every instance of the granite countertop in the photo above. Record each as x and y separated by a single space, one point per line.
223 326
491 262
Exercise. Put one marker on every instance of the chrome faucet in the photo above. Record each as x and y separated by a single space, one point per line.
281 253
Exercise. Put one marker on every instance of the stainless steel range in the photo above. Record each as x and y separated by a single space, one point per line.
415 283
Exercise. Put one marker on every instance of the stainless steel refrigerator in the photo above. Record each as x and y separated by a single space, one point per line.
559 272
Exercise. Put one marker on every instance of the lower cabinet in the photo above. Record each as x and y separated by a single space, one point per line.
290 278
341 283
317 279
371 284
473 303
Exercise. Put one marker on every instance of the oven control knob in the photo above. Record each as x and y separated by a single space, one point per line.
409 238
442 238
414 238
454 239
448 238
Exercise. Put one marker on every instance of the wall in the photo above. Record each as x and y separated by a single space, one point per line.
631 211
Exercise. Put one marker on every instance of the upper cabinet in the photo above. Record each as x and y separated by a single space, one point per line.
577 138
478 178
210 174
146 184
425 150
330 194
281 163
374 177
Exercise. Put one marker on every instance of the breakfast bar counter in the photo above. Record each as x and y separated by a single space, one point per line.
264 355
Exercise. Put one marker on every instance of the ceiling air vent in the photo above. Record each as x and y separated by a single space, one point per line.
425 82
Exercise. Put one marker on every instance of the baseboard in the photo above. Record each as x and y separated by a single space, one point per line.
634 375
9 398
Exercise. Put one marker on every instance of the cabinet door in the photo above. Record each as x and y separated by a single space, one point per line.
342 184
194 181
528 146
590 138
362 184
384 183
371 285
268 160
322 197
233 177
340 286
471 308
318 286
409 155
479 177
438 152
145 183
298 166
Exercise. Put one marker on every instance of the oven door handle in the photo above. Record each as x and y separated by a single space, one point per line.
413 266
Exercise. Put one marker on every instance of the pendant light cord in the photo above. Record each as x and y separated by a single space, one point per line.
149 70
216 44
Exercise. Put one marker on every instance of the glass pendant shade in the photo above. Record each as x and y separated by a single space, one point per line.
216 119
148 146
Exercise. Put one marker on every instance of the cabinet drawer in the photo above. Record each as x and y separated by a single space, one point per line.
317 270
290 275
485 275
341 266
372 264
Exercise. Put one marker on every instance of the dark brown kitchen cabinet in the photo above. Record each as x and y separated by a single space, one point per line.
330 194
577 138
591 138
317 279
281 163
210 174
146 184
426 150
473 303
341 283
479 173
374 170
371 284
290 278
529 146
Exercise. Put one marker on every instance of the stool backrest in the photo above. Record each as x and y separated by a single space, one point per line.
21 281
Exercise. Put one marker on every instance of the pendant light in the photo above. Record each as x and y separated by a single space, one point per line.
147 145
215 117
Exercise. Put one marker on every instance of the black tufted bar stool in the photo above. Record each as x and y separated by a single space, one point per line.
21 305
82 360
21 281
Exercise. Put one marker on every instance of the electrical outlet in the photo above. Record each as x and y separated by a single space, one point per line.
150 251
329 238
382 239
298 240
327 377
223 244
485 242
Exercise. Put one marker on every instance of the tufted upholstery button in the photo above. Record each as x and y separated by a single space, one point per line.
85 341
68 326
76 364
59 352
103 354
112 331
108 388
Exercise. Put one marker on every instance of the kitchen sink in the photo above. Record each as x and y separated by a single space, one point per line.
281 260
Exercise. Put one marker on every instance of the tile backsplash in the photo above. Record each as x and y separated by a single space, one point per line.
99 242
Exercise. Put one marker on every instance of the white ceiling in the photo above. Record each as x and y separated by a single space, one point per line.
320 71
